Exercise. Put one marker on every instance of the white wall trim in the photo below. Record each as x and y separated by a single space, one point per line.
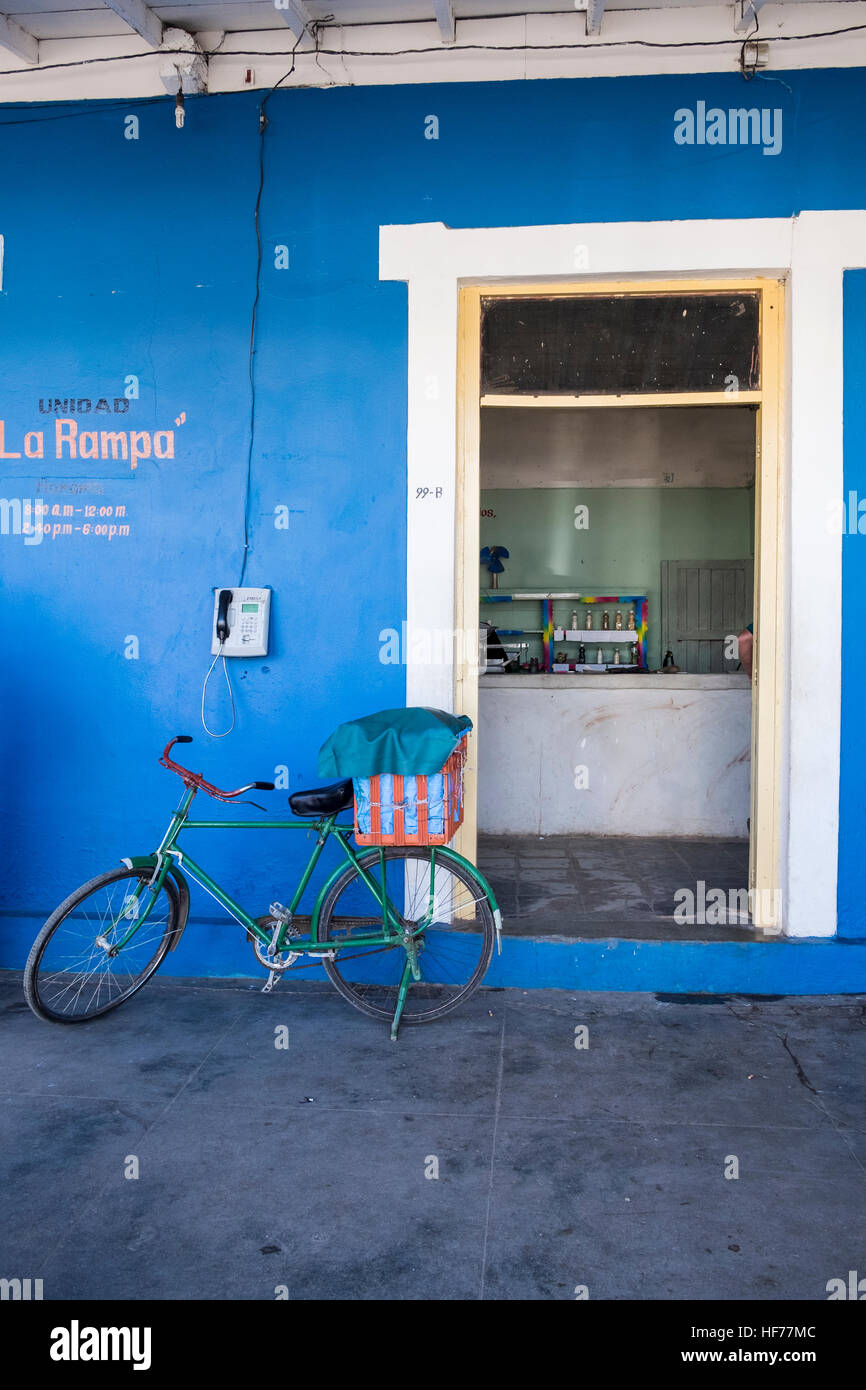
812 250
518 48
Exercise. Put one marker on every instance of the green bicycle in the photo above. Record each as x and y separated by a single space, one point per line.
403 932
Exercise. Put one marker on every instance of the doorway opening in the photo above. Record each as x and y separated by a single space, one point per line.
619 536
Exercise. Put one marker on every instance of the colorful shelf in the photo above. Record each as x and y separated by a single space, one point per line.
602 637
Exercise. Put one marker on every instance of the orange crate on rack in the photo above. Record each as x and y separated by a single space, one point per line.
418 810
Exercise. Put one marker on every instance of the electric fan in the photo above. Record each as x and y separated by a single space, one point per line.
492 556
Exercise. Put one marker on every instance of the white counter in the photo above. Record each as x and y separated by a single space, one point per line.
614 754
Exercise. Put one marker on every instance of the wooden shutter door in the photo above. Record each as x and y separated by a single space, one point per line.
703 602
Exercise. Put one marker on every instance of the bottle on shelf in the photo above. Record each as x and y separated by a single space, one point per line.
605 621
575 624
616 660
599 659
589 619
581 655
631 627
618 621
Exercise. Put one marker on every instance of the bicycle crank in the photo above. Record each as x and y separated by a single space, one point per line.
274 961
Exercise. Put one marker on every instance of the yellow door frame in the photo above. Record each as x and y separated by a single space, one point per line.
767 672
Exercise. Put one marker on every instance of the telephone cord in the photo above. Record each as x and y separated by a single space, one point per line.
227 731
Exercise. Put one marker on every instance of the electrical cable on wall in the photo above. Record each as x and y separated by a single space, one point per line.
263 125
748 70
552 47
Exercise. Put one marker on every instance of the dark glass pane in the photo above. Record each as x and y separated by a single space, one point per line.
601 345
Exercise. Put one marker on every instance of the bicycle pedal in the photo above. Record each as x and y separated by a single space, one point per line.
278 913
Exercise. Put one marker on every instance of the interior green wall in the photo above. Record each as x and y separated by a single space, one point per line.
630 531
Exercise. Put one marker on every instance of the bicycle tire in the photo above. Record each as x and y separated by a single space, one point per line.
359 997
61 913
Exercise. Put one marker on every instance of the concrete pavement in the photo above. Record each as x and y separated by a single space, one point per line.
485 1156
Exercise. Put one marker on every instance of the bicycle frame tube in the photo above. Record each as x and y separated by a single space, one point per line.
161 869
168 853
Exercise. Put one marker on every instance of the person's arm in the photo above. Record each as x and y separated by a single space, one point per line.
745 645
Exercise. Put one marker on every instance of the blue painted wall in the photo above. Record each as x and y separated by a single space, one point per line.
138 257
852 809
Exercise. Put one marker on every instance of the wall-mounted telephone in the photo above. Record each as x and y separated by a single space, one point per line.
240 622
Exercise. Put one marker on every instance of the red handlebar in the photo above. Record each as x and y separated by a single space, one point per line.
196 780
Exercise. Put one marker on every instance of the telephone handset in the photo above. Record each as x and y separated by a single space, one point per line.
222 620
240 622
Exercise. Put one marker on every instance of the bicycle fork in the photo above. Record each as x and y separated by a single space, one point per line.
411 971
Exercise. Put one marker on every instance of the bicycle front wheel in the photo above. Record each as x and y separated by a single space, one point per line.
438 896
74 972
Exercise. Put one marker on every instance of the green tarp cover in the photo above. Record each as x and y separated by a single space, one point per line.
408 741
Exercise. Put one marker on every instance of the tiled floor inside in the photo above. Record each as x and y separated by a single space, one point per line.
593 885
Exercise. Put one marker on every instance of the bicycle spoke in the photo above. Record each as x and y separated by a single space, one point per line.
446 912
76 976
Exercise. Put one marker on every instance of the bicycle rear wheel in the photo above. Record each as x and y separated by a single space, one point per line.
71 975
439 895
